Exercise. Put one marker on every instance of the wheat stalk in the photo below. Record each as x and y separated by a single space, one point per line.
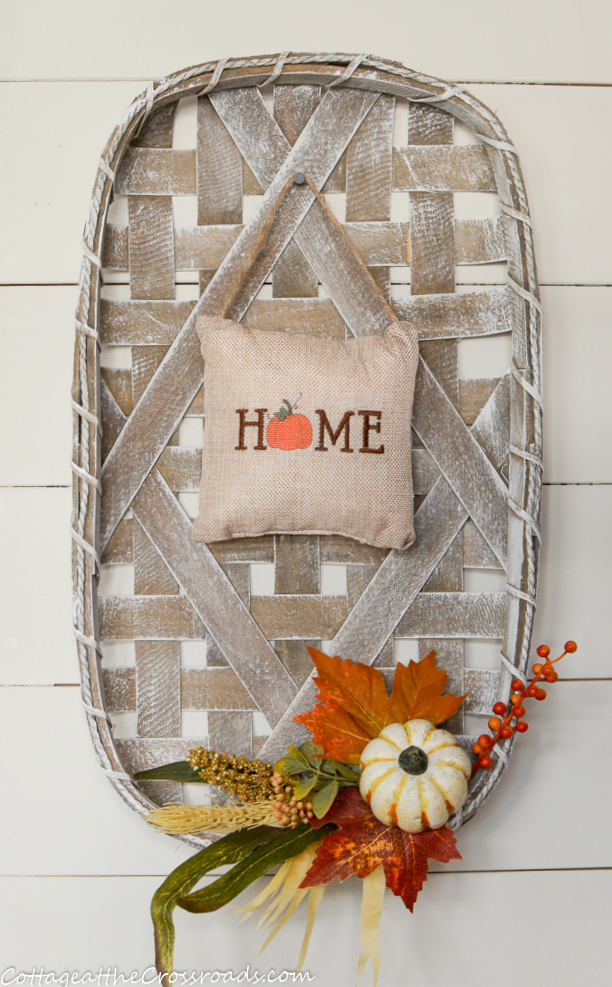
181 819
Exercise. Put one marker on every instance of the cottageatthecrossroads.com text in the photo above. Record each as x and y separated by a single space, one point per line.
112 977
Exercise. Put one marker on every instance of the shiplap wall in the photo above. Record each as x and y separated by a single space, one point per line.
530 901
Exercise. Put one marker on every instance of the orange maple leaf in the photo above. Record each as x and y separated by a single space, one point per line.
362 843
417 693
353 706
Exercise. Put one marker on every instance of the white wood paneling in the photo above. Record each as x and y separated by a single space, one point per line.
36 639
89 830
577 340
553 926
545 41
36 334
71 821
564 138
61 817
53 136
574 590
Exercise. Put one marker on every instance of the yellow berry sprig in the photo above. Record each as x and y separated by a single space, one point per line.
248 780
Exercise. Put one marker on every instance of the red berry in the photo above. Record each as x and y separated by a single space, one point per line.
515 698
476 749
494 723
537 668
518 711
517 685
499 708
541 695
532 691
522 727
543 651
485 762
570 647
551 677
506 732
485 741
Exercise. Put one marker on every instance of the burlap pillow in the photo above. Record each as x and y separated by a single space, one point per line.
307 435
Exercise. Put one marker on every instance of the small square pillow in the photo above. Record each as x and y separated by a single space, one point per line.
306 435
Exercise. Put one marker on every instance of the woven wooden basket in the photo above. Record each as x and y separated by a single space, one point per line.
477 454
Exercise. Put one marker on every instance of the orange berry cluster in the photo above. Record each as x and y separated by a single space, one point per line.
287 809
501 723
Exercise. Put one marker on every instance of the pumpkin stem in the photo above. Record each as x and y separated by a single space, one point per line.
284 413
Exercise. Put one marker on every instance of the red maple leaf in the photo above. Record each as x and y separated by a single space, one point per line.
362 843
353 705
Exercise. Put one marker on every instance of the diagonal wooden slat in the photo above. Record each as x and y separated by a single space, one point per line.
213 598
378 611
324 243
438 424
462 460
230 292
293 106
396 584
320 236
456 452
345 277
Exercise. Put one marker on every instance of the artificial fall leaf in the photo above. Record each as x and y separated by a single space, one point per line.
353 706
362 843
417 693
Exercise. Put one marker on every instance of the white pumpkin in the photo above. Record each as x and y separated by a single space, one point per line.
414 775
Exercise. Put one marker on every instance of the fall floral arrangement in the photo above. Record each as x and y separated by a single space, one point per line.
370 795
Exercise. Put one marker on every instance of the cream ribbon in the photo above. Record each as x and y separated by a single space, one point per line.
371 911
283 895
314 900
287 883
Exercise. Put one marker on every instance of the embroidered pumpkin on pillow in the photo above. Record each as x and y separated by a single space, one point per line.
287 430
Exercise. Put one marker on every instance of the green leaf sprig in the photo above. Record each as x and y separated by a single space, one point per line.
312 774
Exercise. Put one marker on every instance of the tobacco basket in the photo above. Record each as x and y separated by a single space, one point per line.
391 147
